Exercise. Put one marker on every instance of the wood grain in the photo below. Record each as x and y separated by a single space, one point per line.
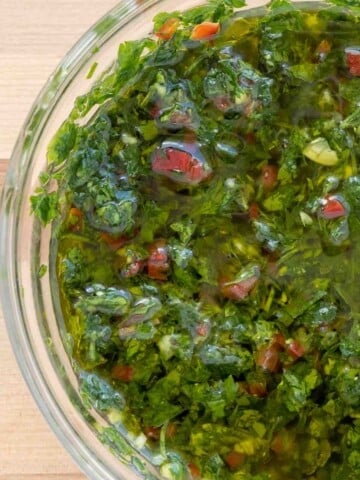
34 36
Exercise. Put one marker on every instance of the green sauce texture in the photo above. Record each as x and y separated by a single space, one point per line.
208 252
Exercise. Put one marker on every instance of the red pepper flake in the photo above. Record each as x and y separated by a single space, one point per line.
155 110
295 349
222 102
133 269
203 329
353 60
283 442
168 28
322 50
158 262
333 207
250 138
194 470
179 165
279 341
277 445
254 211
125 373
257 389
269 176
152 432
113 242
235 460
268 358
239 290
205 31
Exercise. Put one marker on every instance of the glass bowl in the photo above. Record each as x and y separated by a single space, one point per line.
30 303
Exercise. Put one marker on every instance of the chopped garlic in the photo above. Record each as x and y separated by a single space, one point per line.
320 152
305 219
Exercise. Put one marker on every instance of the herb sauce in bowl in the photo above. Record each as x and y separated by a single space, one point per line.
208 252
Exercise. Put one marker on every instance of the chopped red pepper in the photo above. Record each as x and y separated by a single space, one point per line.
203 329
353 60
155 110
295 349
222 102
133 269
158 262
257 389
269 176
205 31
283 442
322 50
168 28
279 341
323 47
234 460
254 211
277 445
239 290
125 373
250 138
179 165
268 358
333 208
152 432
194 470
113 242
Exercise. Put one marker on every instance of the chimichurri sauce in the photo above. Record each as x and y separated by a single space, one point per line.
209 249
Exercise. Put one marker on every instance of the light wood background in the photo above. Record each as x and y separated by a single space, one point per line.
34 36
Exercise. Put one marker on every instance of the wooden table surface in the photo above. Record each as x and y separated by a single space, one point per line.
34 36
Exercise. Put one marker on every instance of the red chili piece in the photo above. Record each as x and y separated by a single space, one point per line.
333 208
234 460
257 389
295 349
202 329
222 102
353 60
179 165
158 262
278 341
322 50
269 176
152 432
254 211
239 290
277 445
194 470
125 373
250 138
133 269
205 31
114 242
167 30
155 111
268 358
